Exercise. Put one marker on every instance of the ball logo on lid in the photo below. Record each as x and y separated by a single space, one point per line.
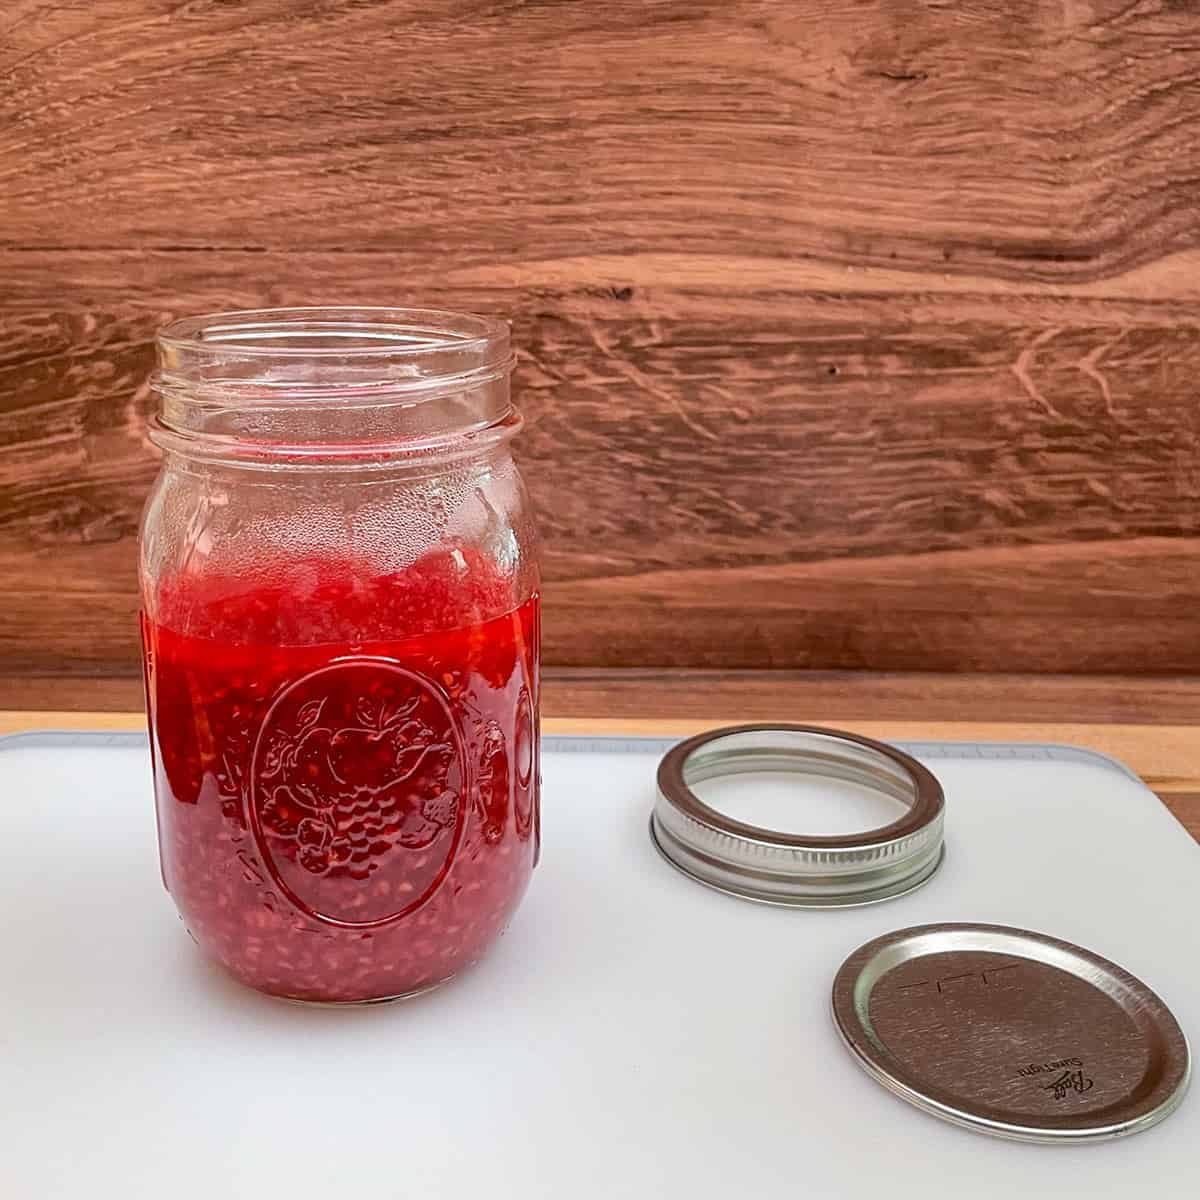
356 791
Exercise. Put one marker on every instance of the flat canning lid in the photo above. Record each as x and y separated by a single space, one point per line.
797 869
1011 1033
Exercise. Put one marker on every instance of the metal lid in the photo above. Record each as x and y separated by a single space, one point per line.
1011 1033
784 868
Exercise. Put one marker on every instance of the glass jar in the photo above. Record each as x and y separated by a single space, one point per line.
340 620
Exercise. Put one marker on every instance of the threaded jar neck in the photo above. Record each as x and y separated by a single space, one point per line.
332 386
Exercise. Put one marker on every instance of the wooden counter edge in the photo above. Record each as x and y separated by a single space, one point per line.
1167 757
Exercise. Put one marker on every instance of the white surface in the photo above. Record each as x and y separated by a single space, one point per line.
633 1035
828 807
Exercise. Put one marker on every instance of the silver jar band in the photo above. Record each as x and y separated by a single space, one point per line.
796 869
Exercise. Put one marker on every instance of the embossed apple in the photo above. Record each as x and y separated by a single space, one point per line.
351 753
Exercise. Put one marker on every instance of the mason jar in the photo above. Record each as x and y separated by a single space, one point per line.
340 620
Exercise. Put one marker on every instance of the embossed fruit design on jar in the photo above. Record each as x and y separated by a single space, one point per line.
340 621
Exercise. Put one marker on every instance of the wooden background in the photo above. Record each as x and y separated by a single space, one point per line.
853 333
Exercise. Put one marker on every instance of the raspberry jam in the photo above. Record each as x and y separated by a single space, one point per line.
345 769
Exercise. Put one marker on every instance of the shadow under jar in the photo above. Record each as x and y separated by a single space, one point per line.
340 620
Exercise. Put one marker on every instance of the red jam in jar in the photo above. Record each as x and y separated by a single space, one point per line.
345 755
356 816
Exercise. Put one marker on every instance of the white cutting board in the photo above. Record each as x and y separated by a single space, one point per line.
634 1034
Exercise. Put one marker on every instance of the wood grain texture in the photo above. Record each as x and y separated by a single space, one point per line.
1186 808
852 335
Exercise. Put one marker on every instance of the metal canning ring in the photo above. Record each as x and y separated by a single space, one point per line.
806 871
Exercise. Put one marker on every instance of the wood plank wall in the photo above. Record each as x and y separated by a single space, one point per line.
853 333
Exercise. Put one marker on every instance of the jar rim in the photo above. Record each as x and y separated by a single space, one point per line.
331 382
380 330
